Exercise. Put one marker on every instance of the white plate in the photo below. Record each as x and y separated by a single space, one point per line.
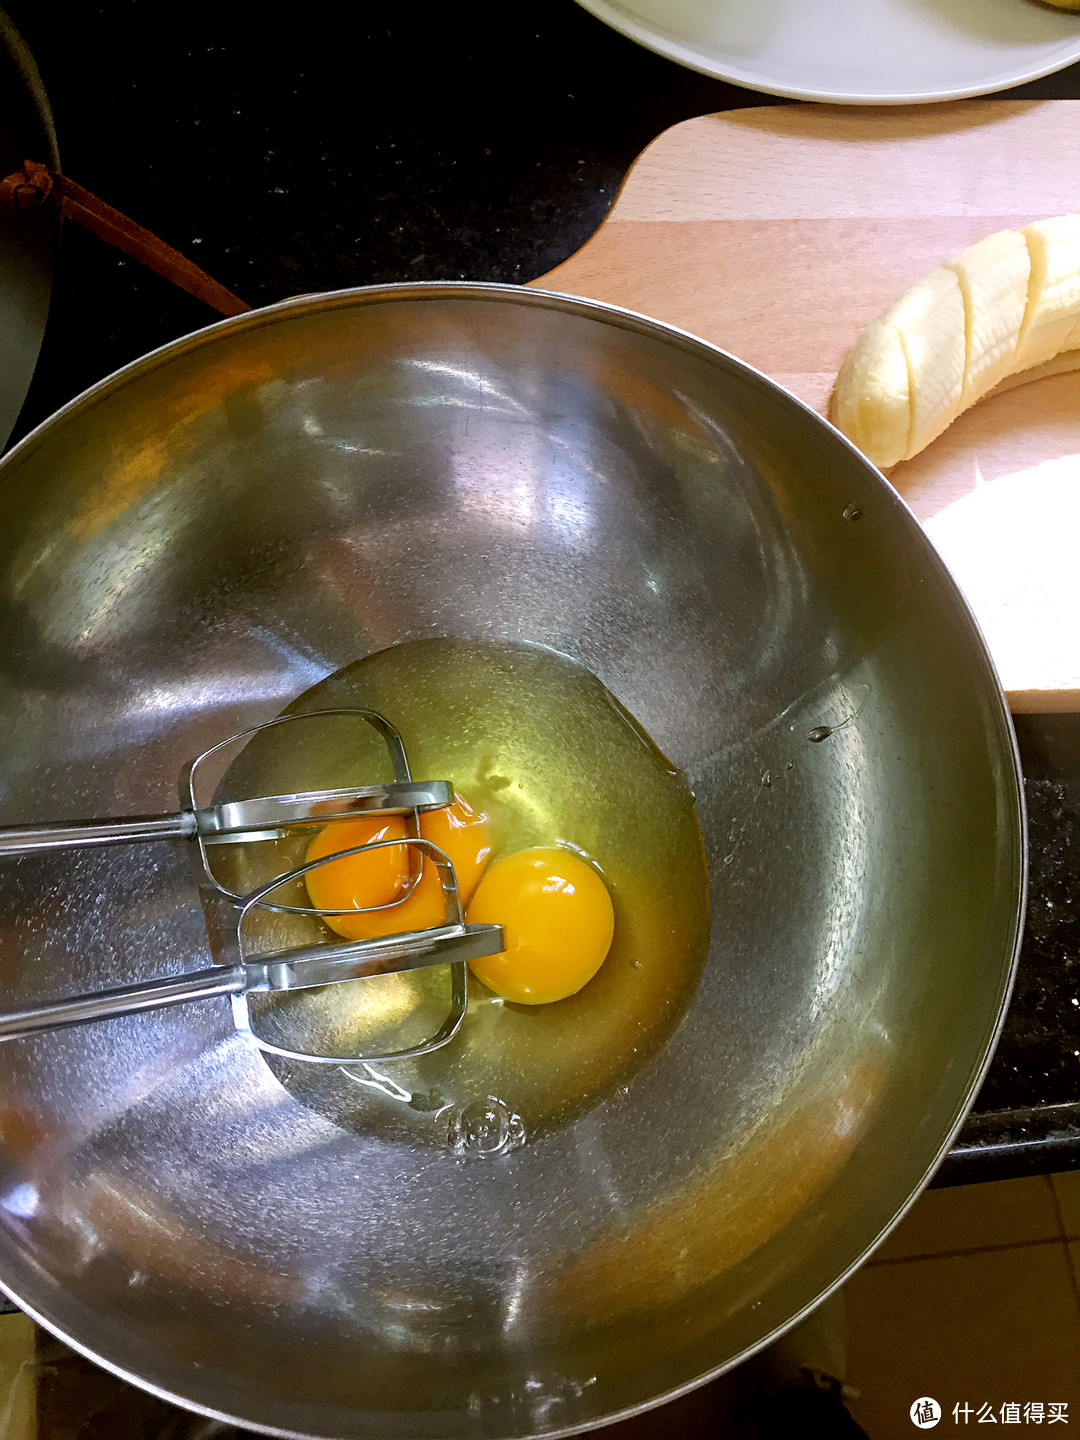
871 52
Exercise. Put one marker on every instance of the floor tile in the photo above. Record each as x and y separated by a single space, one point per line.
993 1327
18 1391
1067 1189
973 1217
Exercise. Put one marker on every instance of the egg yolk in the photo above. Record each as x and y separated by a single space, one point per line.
557 921
382 876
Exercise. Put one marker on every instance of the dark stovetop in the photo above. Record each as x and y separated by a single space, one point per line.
477 143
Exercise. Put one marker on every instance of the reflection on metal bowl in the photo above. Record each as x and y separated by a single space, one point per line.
196 541
27 237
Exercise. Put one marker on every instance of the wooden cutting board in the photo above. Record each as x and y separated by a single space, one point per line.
778 232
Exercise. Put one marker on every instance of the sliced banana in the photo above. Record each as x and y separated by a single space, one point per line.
1054 295
905 376
993 277
1004 310
871 403
933 328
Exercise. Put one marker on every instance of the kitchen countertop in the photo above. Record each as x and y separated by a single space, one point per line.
484 144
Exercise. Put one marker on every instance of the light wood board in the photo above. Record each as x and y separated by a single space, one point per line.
778 232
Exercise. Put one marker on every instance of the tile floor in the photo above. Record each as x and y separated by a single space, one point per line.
973 1300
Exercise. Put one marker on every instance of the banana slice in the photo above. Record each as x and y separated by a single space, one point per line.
934 332
902 384
871 403
993 277
1054 294
1003 311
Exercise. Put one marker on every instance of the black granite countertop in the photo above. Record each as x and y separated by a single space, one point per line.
481 142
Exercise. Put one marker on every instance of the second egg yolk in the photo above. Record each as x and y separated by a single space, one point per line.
557 921
382 876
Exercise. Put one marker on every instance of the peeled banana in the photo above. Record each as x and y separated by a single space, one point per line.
1002 311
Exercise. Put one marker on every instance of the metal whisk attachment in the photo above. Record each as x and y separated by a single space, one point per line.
238 972
305 967
263 817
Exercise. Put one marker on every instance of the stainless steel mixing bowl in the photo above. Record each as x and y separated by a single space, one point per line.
202 536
